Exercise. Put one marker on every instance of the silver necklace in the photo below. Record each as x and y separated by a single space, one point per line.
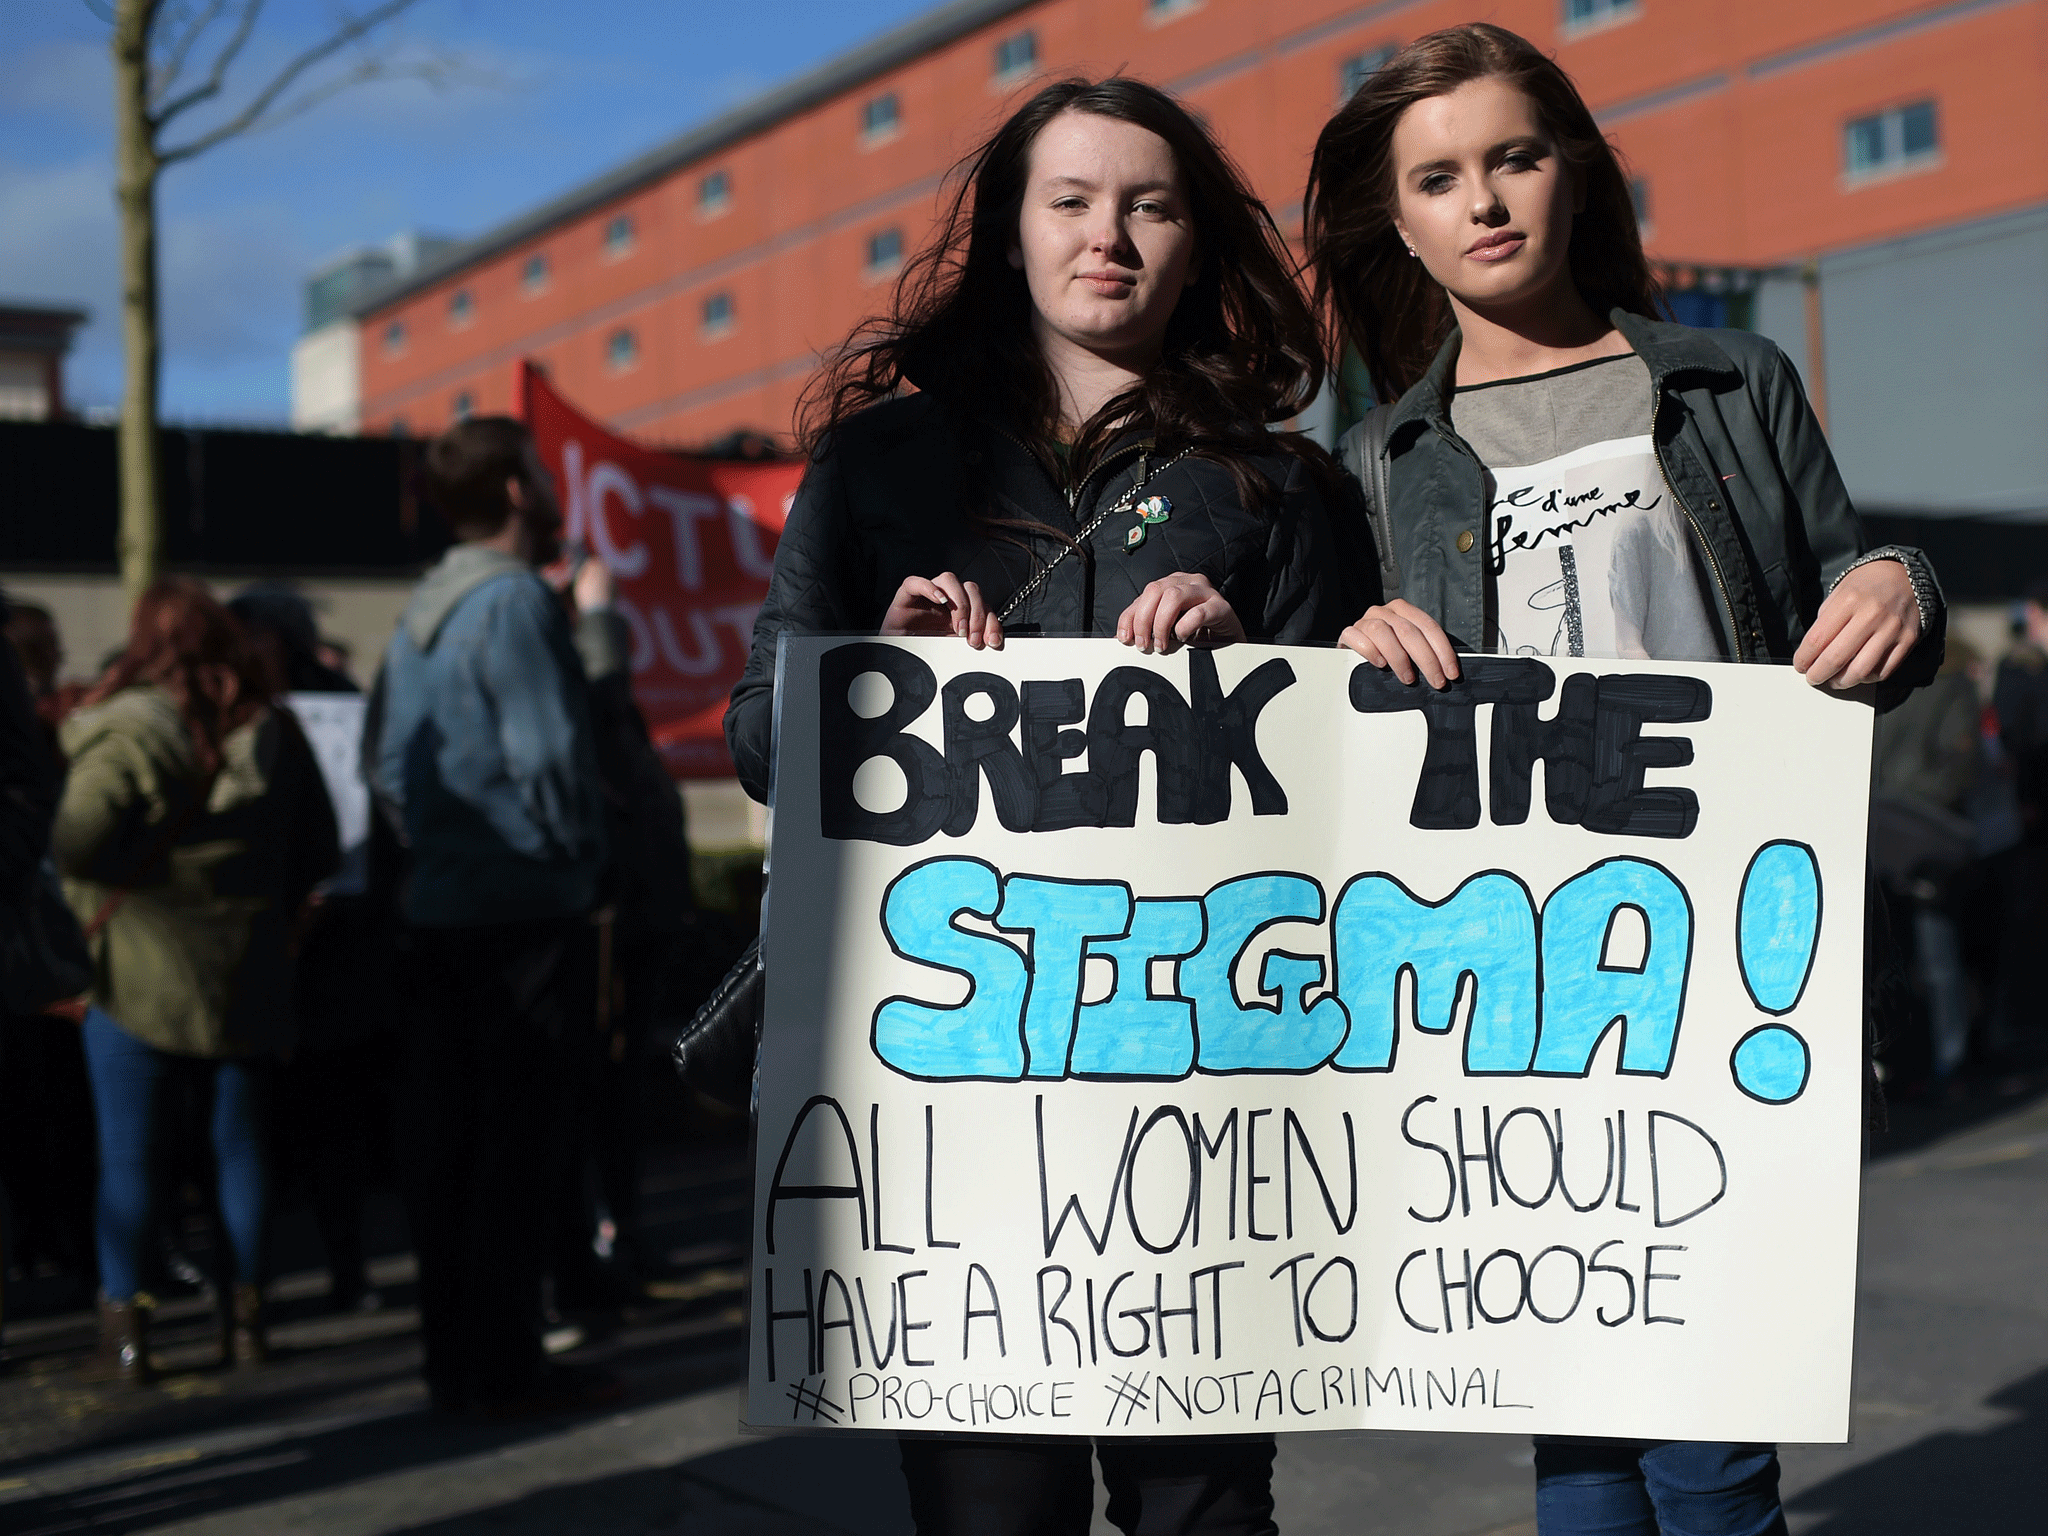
1127 503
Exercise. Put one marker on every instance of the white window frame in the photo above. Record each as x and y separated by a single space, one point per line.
873 133
879 267
710 327
461 310
1602 15
1348 83
612 361
616 249
1009 74
536 274
1894 159
711 203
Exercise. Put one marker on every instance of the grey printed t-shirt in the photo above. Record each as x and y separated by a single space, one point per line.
1589 553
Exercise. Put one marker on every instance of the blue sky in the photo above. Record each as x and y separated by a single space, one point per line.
546 94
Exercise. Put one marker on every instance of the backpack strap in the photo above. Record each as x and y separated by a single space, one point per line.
1370 469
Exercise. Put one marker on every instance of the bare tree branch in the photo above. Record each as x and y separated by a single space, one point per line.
254 113
217 78
166 74
437 72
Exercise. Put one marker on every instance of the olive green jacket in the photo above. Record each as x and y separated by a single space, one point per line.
197 959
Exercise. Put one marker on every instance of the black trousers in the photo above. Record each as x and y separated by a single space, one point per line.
1017 1487
480 1129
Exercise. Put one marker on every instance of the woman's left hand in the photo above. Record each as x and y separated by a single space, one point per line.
1867 626
1181 609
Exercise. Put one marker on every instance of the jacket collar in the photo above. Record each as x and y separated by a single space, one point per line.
1664 346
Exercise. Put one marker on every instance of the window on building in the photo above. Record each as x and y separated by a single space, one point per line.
1891 141
533 277
618 235
1589 15
622 349
461 307
880 117
714 193
1166 10
885 250
465 406
717 314
1361 67
1015 56
399 428
394 337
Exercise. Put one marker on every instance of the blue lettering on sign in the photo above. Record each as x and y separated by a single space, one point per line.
1062 917
1588 988
1281 1031
1134 1032
1483 933
979 1037
1535 992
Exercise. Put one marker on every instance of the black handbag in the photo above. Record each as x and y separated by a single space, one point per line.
715 1052
43 954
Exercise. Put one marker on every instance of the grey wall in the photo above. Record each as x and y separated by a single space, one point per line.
1781 314
1937 366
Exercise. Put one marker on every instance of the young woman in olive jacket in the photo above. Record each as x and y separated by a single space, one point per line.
193 827
1473 233
1106 318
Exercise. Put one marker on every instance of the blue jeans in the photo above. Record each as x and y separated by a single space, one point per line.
1647 1487
129 1080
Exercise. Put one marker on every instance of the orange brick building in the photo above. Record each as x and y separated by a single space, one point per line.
688 293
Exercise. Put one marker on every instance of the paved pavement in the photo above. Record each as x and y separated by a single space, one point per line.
1951 1404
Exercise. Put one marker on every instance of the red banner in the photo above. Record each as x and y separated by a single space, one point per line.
690 542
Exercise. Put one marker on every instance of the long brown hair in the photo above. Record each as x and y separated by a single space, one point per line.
1241 350
1375 295
186 642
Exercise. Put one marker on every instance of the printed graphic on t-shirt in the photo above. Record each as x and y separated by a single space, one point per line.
1592 557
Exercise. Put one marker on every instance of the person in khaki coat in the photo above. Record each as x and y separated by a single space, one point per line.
193 828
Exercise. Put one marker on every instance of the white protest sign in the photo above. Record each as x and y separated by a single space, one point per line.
1242 1041
333 723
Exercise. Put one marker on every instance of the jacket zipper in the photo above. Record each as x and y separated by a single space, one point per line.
1699 533
1143 450
1074 496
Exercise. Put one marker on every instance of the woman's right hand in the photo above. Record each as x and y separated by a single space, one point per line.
943 605
1403 637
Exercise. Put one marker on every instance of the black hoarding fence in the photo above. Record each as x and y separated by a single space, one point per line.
234 501
1977 559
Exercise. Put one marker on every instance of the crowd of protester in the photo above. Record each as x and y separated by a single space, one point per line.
472 997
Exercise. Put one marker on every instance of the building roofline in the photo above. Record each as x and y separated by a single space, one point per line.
65 314
914 38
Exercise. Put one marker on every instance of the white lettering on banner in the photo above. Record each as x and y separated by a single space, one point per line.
636 625
738 617
684 509
573 517
607 478
1288 1058
753 560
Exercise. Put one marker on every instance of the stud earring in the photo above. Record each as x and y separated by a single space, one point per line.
1411 250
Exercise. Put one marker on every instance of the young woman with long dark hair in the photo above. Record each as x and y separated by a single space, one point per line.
1100 338
1474 239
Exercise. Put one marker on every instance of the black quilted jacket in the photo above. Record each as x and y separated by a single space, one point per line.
888 498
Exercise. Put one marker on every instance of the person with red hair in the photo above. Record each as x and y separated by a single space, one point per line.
193 827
